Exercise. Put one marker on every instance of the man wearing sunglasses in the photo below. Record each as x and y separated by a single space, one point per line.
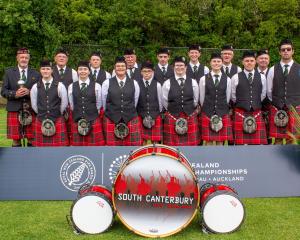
283 89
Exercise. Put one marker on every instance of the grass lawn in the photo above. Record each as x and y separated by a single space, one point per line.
266 218
4 142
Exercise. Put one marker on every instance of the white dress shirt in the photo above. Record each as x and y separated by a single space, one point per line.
202 87
235 82
105 87
21 72
97 93
229 68
159 92
270 77
166 89
161 67
206 69
62 94
107 74
74 73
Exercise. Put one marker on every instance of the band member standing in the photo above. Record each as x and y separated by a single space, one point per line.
97 73
180 99
215 94
195 69
227 55
85 103
150 106
163 70
284 93
61 72
119 97
17 83
248 92
49 100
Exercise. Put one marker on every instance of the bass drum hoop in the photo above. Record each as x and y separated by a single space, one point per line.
98 195
92 188
132 158
222 192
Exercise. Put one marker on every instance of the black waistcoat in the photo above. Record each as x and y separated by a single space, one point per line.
48 102
195 75
101 77
181 100
248 96
215 101
160 77
148 100
66 78
84 102
233 70
120 101
286 90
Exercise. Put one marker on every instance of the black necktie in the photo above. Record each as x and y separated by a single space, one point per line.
195 68
47 86
227 71
250 78
147 83
164 70
121 84
23 77
95 74
286 70
61 72
83 87
131 72
181 82
216 79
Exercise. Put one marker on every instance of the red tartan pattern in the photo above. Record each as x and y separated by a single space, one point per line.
14 128
134 137
240 137
209 135
155 133
69 121
60 138
94 138
171 138
282 132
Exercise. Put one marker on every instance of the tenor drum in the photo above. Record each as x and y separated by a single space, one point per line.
92 212
222 210
155 193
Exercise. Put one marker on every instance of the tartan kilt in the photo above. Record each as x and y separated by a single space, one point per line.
60 138
191 138
240 137
155 133
134 137
282 132
209 135
94 138
14 128
69 121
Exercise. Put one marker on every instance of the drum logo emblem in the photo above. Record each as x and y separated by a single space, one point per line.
76 171
115 167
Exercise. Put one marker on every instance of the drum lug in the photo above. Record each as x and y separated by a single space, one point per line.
153 152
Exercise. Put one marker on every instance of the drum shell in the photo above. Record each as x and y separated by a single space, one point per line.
95 188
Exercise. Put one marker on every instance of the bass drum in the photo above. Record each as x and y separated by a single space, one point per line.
155 193
92 211
222 210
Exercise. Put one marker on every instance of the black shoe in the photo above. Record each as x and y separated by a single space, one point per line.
18 145
29 144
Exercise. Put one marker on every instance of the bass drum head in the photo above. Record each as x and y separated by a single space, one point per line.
223 212
155 195
92 213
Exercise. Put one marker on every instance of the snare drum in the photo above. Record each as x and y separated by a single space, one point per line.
155 193
92 212
222 210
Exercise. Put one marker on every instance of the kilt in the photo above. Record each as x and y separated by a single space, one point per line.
155 133
14 129
209 135
94 138
60 138
282 132
69 121
240 137
134 137
191 138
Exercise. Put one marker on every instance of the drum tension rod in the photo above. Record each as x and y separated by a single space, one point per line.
153 151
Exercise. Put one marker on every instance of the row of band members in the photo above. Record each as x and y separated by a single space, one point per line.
126 109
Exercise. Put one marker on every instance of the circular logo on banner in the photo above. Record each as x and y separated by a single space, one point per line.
115 167
76 171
